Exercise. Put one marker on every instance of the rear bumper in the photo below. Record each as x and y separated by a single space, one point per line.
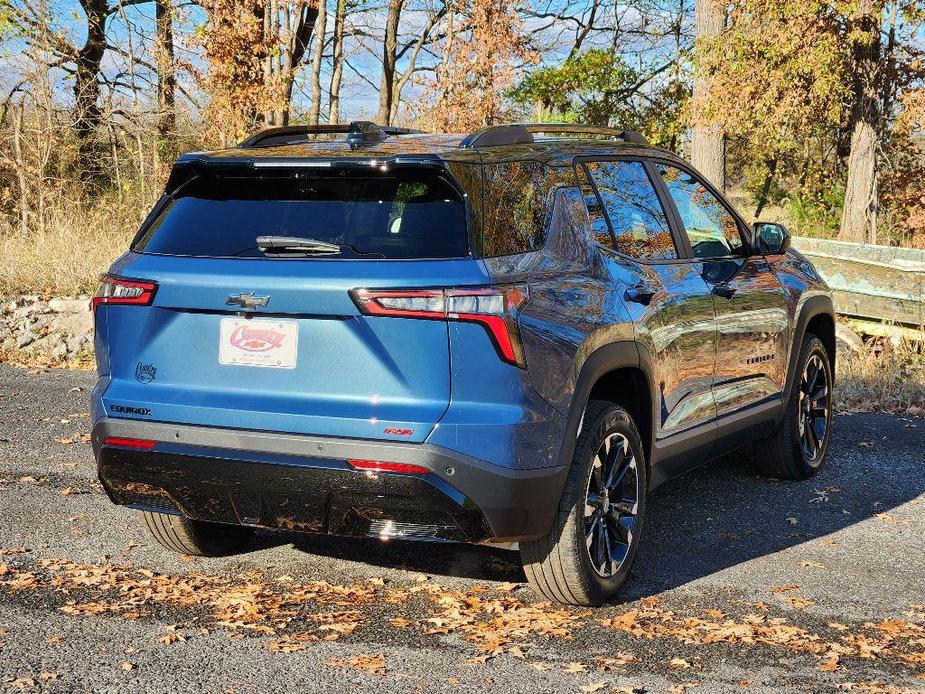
304 483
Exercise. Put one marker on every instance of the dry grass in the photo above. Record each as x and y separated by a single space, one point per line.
883 378
75 244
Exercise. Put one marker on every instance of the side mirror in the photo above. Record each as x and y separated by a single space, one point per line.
770 238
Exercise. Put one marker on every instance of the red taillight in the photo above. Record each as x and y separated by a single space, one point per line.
115 290
141 444
379 466
495 308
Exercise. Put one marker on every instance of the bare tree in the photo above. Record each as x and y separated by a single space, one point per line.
708 143
389 59
288 25
859 216
166 77
320 27
337 61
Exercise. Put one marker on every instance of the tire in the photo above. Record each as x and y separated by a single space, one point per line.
197 538
559 566
784 455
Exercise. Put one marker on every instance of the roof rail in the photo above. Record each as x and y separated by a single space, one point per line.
357 132
497 135
628 136
522 134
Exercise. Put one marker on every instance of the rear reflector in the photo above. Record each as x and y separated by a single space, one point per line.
142 444
494 308
397 468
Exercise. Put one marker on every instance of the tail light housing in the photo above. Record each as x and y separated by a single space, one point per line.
494 308
117 290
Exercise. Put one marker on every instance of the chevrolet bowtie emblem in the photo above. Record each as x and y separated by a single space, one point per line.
247 300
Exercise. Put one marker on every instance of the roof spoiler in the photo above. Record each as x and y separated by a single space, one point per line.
358 132
523 134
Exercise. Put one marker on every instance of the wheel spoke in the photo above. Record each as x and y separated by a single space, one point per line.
616 461
811 437
601 547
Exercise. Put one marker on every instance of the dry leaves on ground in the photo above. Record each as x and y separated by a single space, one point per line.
890 520
901 641
370 663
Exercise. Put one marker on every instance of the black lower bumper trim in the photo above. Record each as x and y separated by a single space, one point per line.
269 480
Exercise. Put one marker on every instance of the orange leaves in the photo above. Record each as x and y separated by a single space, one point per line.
890 520
798 603
370 663
71 440
785 588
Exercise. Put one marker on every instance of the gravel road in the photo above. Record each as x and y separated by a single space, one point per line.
742 584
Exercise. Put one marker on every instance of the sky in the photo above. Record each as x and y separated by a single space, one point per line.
131 30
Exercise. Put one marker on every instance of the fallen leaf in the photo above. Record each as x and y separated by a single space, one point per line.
127 666
171 637
370 663
48 676
678 664
830 664
812 565
23 683
55 640
681 688
575 668
887 518
792 520
798 603
785 588
69 491
594 687
618 662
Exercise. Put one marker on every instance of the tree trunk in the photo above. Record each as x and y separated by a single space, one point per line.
338 62
21 175
708 143
299 36
166 79
314 112
87 87
859 217
389 47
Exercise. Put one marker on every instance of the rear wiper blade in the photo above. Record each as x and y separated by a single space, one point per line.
295 244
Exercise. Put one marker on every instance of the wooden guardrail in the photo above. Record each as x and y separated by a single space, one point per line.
878 284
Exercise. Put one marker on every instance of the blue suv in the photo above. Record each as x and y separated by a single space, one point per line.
510 336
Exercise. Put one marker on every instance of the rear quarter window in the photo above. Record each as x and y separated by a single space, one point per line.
515 203
400 215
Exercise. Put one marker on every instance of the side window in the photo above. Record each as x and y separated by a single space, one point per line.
633 208
708 223
514 208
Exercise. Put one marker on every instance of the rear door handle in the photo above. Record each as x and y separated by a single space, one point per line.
640 294
724 290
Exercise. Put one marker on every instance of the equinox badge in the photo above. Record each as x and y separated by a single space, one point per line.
247 300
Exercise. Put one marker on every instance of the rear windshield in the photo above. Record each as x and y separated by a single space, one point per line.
398 215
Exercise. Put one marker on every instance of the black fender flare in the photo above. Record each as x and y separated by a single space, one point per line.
812 307
617 355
